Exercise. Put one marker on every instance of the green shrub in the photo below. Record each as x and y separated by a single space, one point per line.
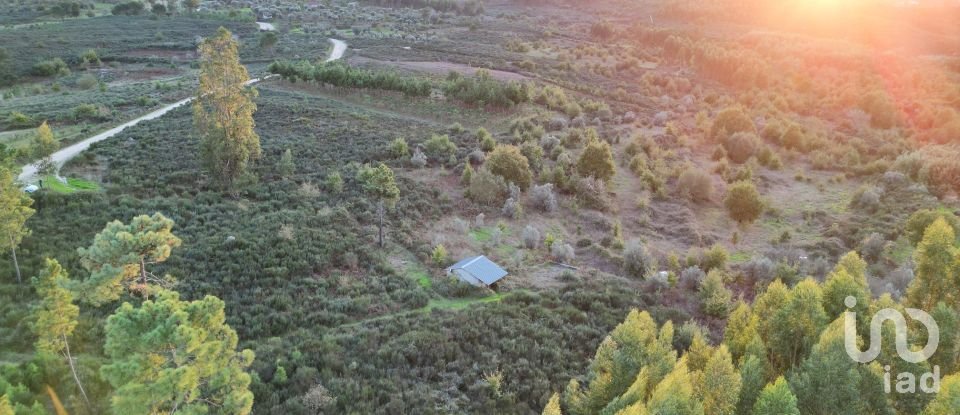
399 148
743 202
794 138
18 120
439 255
715 258
740 146
86 81
596 161
486 188
334 183
50 67
883 114
130 8
695 184
85 111
439 148
730 121
637 261
509 163
715 297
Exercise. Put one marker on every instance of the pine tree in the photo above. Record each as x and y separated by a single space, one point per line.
553 406
776 399
223 110
172 355
596 161
380 184
56 317
120 253
720 389
14 212
936 268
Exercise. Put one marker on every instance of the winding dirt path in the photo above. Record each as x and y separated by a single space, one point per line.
29 172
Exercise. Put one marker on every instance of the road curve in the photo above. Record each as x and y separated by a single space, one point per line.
29 172
339 47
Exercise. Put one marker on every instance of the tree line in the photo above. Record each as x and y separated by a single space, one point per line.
481 89
785 353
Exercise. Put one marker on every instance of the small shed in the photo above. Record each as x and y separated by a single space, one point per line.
479 271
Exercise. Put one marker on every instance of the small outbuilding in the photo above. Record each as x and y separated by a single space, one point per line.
479 271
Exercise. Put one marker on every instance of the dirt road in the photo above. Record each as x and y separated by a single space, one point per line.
29 172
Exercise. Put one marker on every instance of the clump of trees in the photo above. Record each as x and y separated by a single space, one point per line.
482 89
784 354
342 75
50 67
130 8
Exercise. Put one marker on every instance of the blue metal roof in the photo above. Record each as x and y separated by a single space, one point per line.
482 268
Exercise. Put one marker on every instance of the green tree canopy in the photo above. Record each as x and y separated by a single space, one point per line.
743 202
730 121
507 162
223 110
720 389
776 399
596 161
828 381
120 254
848 279
380 184
796 326
44 142
172 354
920 220
675 394
55 317
936 268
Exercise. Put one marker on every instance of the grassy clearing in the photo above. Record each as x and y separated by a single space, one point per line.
461 303
72 185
